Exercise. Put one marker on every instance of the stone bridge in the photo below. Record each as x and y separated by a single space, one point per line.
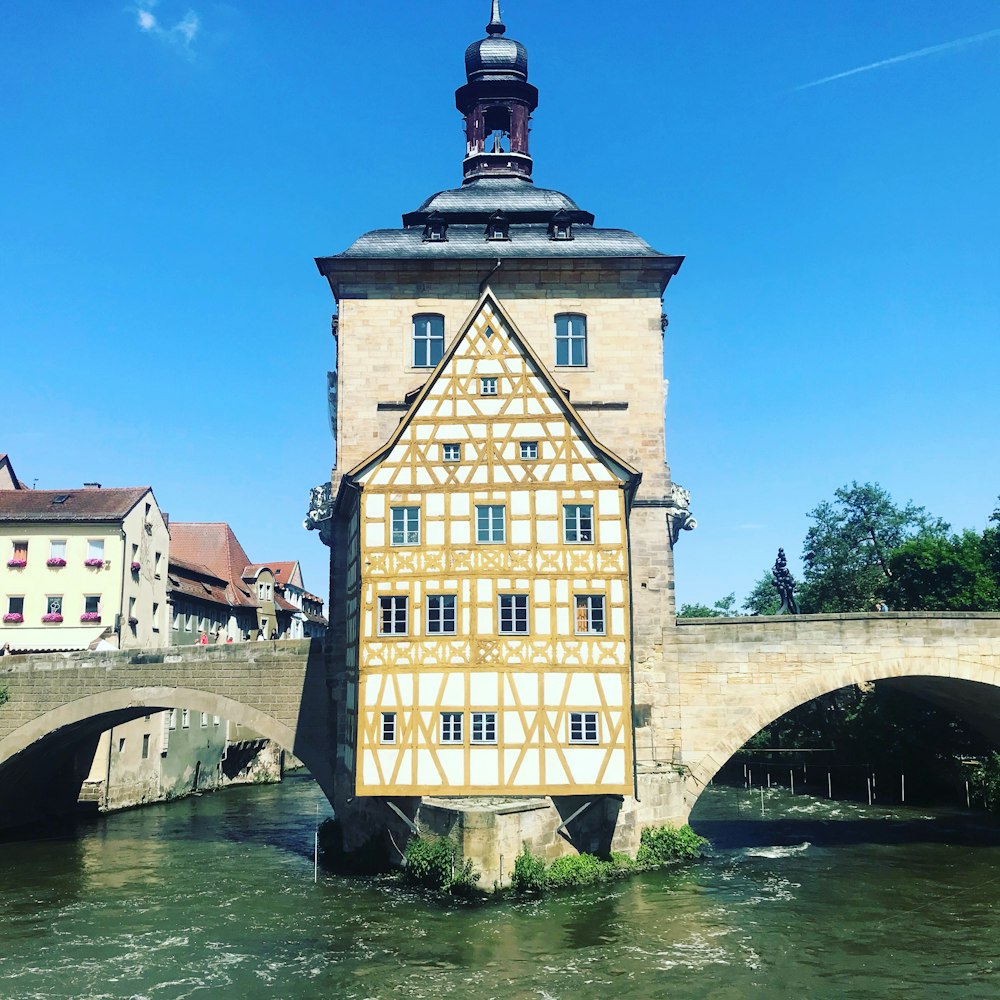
58 703
719 682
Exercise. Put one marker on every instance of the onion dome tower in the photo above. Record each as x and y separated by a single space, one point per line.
497 102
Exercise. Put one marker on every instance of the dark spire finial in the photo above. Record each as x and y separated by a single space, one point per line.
496 25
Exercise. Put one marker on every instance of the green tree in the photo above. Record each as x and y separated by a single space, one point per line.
945 574
724 608
848 548
763 599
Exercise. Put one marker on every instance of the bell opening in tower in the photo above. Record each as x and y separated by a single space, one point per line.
497 128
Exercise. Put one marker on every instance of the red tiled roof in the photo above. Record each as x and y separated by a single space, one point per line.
92 504
282 605
285 572
212 545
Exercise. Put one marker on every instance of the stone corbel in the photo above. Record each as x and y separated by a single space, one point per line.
679 516
320 516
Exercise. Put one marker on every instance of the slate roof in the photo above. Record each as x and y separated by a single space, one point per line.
509 195
92 504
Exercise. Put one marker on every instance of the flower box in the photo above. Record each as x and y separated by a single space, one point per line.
136 567
17 563
55 561
52 617
13 618
90 616
93 563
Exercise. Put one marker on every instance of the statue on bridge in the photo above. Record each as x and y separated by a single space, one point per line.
785 585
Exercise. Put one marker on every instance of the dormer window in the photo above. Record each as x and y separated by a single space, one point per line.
498 227
435 229
561 226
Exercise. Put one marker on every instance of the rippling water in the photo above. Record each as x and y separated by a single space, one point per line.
214 897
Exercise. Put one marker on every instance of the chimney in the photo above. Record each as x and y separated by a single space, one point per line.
91 486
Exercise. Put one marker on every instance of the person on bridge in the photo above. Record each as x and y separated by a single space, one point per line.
203 639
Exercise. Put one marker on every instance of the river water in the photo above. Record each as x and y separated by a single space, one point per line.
214 897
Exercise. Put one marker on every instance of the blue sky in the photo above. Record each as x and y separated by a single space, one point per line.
171 169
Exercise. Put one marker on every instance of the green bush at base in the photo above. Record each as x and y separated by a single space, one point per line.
658 846
436 863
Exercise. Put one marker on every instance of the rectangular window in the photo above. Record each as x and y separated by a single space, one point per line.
441 614
490 523
392 616
578 523
529 451
451 727
20 553
121 744
428 340
92 604
155 621
405 525
172 718
15 606
583 727
95 548
53 605
157 558
487 387
57 549
590 614
215 720
451 452
484 727
571 340
185 718
204 720
388 727
145 746
514 614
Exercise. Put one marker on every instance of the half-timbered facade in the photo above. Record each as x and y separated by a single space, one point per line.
493 616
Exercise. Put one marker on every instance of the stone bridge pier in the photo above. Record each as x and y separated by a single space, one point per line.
58 704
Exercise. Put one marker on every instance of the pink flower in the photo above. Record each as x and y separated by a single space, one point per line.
55 561
136 567
52 617
93 563
13 618
17 563
90 616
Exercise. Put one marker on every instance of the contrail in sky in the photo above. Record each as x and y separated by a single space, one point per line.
959 43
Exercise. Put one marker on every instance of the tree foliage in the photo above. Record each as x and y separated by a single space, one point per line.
847 551
763 599
944 574
724 608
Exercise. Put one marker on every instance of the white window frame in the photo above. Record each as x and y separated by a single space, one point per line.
573 530
395 605
438 614
489 511
483 730
96 609
529 451
54 604
428 343
451 727
57 548
584 727
185 718
95 548
387 728
10 606
518 606
171 718
204 720
595 611
489 386
575 334
404 525
449 455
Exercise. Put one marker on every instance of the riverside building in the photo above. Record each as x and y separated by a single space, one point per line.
502 510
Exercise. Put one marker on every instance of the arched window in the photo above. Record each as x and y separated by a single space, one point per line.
428 339
571 340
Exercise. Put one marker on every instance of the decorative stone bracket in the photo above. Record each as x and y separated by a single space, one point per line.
679 516
320 513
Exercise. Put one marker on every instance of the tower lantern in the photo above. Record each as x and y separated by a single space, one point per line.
497 102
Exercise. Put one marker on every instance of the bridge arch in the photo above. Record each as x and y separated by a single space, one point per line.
967 687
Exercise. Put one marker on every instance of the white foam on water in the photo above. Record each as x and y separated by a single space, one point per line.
777 852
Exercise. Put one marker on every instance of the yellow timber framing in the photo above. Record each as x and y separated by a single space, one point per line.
535 680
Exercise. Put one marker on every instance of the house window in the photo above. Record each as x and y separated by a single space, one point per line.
435 228
498 227
441 614
561 226
155 620
529 451
451 452
215 720
451 727
20 553
405 525
484 727
578 523
172 719
388 727
571 340
92 604
428 340
145 746
488 386
590 614
513 614
583 727
53 605
57 550
204 720
186 718
156 564
95 548
490 523
15 606
392 616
